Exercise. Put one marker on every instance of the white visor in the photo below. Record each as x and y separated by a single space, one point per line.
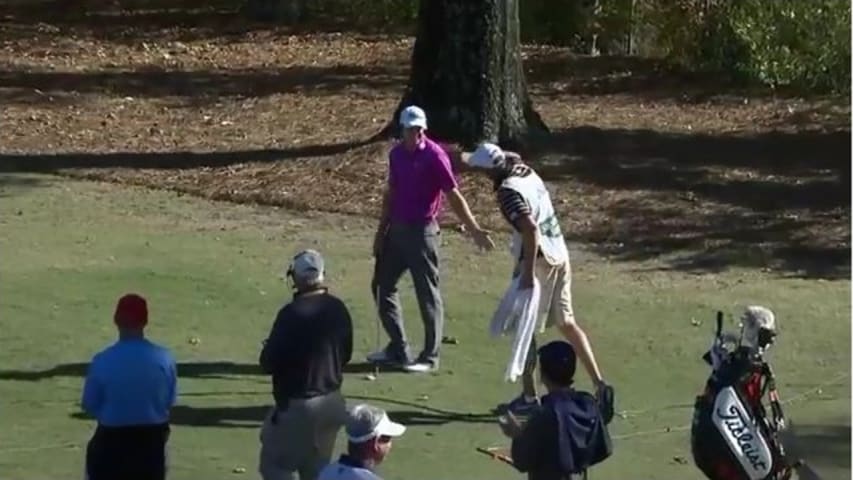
385 428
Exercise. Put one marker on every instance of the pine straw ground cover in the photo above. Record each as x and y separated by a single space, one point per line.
642 162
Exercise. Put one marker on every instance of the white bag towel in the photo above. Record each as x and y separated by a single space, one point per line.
518 310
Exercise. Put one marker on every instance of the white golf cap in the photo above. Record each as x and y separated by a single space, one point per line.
757 317
487 155
413 116
307 266
367 422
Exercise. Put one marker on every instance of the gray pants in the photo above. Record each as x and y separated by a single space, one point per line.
413 248
297 442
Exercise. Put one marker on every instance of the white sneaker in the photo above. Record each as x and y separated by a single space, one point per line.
420 367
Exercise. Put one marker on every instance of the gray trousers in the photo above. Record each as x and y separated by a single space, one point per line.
414 248
297 442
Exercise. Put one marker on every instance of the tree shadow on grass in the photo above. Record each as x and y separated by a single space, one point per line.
420 418
779 199
555 74
130 21
219 416
11 184
51 163
196 87
253 415
185 370
821 446
202 370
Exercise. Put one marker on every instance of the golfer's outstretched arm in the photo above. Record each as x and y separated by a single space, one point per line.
461 209
460 206
447 182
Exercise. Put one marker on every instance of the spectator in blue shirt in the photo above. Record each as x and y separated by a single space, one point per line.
130 388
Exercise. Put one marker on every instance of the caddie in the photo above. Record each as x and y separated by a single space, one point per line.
539 250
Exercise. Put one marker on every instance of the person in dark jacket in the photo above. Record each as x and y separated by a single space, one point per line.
130 389
307 349
568 433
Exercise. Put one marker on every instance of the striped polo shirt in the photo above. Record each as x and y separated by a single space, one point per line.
511 203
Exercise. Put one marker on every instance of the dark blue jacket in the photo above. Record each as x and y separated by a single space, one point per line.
566 436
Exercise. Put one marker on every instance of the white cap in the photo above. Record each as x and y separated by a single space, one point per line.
367 422
413 116
487 155
307 266
756 318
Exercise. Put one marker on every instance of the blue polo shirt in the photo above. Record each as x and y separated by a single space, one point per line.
347 468
132 382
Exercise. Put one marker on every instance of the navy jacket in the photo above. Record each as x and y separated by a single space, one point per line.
566 436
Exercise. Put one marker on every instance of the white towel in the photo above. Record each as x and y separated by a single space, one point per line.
518 310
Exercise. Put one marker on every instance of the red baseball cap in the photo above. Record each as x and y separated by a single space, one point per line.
131 311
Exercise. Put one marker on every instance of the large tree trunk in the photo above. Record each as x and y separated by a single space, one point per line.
466 73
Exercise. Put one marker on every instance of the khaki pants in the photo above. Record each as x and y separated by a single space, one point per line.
297 442
555 304
556 299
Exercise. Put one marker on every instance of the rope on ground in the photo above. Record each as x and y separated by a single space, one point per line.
805 393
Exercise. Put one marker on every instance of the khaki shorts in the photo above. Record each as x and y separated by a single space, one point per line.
555 304
300 442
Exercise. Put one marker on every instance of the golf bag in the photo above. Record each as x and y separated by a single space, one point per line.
732 437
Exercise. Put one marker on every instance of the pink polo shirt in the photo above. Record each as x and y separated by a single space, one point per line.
418 179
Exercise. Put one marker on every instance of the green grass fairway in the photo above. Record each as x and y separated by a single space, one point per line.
70 249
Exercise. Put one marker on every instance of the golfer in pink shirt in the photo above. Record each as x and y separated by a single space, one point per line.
408 239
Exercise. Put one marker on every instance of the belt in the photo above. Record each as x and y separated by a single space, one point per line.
430 225
281 408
